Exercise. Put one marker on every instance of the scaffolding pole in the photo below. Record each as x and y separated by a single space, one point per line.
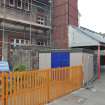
30 22
51 6
3 34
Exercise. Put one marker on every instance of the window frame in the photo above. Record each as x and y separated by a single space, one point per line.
12 5
41 43
26 9
21 4
40 20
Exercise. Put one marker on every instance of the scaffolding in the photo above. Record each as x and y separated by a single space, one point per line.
31 24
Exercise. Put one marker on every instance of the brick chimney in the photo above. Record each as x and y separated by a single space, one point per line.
65 13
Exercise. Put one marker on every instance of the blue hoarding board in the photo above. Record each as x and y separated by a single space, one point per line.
60 59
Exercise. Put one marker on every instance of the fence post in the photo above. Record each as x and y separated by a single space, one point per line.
6 88
48 87
82 76
11 88
15 88
2 86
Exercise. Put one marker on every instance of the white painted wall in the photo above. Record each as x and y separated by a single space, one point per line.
75 59
44 60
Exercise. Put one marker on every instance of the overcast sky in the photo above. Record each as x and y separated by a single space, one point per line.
92 14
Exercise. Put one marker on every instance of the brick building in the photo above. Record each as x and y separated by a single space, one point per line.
26 24
23 23
65 13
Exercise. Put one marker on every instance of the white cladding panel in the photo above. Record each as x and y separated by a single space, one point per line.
44 60
75 59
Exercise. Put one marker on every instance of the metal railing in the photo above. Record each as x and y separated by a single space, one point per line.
38 87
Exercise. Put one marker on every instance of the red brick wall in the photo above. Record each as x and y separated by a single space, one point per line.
73 12
12 36
62 16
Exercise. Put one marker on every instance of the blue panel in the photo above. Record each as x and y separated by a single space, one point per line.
60 59
4 66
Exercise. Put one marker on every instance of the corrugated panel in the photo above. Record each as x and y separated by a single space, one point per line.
86 60
88 67
60 59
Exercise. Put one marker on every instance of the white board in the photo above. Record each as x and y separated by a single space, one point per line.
75 59
44 60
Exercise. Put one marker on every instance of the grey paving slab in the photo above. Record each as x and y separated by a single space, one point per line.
94 96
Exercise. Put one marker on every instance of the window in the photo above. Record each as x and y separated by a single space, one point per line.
17 40
22 41
19 4
38 43
26 5
41 20
12 3
41 43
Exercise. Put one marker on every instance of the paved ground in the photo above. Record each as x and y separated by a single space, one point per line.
95 96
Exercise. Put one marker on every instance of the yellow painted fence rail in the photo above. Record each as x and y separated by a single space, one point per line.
38 87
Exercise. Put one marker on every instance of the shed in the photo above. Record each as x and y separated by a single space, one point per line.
56 58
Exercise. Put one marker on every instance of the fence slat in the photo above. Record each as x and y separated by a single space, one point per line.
2 89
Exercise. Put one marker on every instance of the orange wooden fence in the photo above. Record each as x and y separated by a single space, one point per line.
38 87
